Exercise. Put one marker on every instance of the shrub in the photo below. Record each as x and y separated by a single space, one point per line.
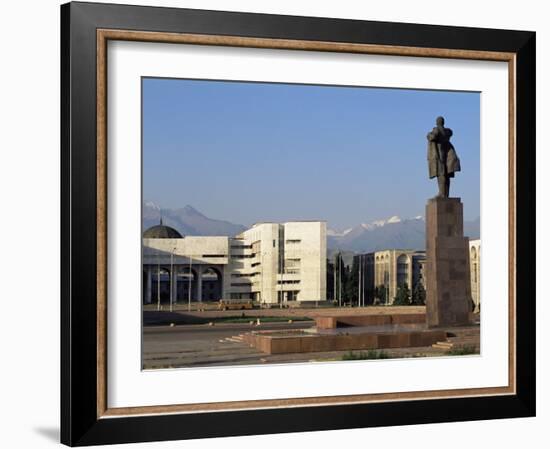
465 350
403 296
371 354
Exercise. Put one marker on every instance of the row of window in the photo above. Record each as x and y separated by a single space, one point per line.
291 263
245 275
244 256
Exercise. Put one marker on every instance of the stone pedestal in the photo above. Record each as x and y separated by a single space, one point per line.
448 296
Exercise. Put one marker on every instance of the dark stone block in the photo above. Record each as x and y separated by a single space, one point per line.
447 265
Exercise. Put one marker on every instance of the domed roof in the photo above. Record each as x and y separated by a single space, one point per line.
161 231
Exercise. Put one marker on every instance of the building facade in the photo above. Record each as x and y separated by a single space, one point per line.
394 267
391 269
474 272
268 263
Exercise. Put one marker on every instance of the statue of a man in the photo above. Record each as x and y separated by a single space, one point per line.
442 159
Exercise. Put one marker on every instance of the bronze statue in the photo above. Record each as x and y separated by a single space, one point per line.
442 159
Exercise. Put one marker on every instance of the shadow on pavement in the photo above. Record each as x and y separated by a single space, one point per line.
159 318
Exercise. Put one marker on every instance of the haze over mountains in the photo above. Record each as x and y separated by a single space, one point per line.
393 232
188 221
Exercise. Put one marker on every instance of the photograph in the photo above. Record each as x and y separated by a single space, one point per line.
299 223
273 223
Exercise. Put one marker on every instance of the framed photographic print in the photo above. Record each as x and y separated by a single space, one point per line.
279 224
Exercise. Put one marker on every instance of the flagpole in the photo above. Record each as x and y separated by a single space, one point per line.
190 282
171 281
340 279
334 279
363 281
158 282
359 278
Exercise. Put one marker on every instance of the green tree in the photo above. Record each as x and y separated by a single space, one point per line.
381 293
369 295
419 295
339 271
403 296
330 280
352 283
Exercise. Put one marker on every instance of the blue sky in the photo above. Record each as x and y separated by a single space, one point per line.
248 152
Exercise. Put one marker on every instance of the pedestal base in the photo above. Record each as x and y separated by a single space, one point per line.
448 291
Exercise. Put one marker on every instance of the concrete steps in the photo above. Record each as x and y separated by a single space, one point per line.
464 340
235 338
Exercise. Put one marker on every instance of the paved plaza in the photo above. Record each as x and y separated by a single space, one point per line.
170 340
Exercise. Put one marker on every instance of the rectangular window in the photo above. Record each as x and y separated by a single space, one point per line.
243 256
293 241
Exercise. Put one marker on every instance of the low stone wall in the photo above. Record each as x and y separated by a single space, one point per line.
272 344
332 322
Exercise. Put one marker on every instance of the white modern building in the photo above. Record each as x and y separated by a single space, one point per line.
268 263
475 246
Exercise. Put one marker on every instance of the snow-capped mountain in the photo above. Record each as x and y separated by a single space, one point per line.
335 233
393 232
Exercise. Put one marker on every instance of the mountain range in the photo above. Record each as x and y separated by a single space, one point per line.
188 221
393 232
